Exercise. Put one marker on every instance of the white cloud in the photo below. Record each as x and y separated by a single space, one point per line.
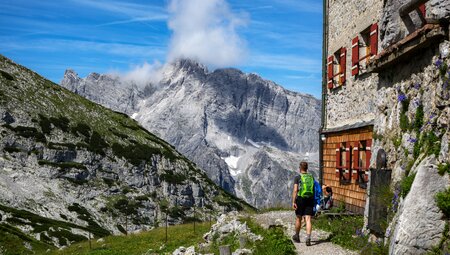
145 73
206 31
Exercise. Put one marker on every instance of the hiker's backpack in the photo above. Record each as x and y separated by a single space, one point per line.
306 186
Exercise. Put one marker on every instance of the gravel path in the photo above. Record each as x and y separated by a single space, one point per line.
319 243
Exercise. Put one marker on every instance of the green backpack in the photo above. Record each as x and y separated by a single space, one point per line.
306 186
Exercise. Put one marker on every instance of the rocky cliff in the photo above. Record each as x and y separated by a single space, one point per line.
227 122
70 168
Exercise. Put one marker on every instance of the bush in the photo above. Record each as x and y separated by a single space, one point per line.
406 184
444 168
443 202
418 119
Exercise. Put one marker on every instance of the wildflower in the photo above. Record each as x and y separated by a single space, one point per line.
438 63
401 97
412 140
417 86
445 85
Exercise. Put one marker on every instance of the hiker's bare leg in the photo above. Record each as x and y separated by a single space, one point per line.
308 224
298 224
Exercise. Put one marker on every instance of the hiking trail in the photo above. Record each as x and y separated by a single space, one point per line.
319 243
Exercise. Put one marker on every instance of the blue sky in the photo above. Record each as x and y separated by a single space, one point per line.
280 39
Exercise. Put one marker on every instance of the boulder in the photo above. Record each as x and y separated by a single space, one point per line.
420 223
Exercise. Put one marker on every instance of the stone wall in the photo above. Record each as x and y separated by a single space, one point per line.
412 125
352 102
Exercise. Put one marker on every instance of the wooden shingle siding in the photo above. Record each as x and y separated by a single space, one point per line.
353 196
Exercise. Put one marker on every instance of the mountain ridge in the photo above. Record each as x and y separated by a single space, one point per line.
81 168
213 116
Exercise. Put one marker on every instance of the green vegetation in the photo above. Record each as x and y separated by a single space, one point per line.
397 142
149 242
48 227
443 202
444 168
12 241
404 121
444 245
172 177
84 214
345 230
12 149
62 165
7 75
135 154
406 184
274 240
27 132
418 119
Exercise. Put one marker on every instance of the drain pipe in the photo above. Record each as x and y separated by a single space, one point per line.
324 88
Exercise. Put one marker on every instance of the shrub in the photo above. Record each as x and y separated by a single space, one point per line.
418 119
406 184
443 202
81 128
444 168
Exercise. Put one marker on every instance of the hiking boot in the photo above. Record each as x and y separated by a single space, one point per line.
308 242
296 238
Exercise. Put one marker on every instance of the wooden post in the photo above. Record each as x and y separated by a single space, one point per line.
194 216
166 227
90 245
126 224
225 250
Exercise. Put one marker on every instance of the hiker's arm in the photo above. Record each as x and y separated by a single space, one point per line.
294 195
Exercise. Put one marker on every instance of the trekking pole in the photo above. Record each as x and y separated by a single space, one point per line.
90 245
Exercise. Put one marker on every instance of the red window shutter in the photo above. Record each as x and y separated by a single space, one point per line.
338 160
355 56
355 159
423 10
347 156
347 174
368 152
343 64
330 71
374 39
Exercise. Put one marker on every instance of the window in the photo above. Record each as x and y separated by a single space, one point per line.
337 68
364 48
343 159
361 160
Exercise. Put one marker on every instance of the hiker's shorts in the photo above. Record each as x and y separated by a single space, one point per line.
304 206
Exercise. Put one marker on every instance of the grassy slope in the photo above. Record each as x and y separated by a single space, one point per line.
150 241
274 242
94 127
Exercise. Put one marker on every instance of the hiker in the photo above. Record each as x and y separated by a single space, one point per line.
327 202
303 201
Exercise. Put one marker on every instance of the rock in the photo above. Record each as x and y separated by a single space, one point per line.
101 240
395 28
420 224
185 251
444 154
242 252
211 116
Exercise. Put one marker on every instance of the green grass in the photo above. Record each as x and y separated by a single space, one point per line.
444 168
12 241
41 224
274 240
443 202
406 184
343 230
179 235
